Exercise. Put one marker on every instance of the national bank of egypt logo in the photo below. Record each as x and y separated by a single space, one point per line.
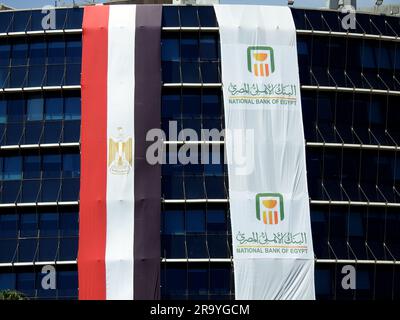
260 60
269 208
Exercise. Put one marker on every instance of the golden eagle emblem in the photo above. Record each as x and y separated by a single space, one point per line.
120 153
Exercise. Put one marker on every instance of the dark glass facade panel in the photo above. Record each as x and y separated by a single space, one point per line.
190 57
32 20
46 117
27 280
39 176
38 234
348 62
352 174
317 20
40 61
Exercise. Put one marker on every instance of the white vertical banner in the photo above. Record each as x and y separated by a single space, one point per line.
120 133
269 203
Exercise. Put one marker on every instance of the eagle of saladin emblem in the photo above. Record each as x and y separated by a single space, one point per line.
120 153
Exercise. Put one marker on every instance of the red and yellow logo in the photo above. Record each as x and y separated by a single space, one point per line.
269 208
260 61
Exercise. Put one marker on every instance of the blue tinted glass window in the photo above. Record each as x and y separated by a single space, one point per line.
188 16
48 224
10 191
36 75
67 283
368 57
56 52
36 20
189 48
74 18
71 131
34 108
37 52
209 72
3 111
74 51
72 108
26 283
207 16
170 16
51 165
191 106
50 189
68 248
21 20
61 17
190 72
176 280
71 165
55 75
216 221
33 132
30 189
219 280
19 53
54 108
208 47
28 224
5 52
170 48
195 220
32 167
171 72
16 110
70 189
198 281
171 105
5 21
7 281
68 224
211 103
173 221
8 225
52 131
12 168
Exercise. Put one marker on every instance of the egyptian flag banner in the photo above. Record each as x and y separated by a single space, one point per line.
119 242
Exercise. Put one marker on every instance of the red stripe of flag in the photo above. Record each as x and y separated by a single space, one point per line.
92 215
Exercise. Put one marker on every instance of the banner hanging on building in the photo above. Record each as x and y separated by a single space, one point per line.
119 233
269 203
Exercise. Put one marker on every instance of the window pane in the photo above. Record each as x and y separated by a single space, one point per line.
74 51
54 108
51 165
56 52
48 224
35 108
28 224
37 52
173 221
8 225
3 111
72 107
12 168
71 165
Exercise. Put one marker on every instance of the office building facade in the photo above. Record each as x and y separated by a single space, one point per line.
350 89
